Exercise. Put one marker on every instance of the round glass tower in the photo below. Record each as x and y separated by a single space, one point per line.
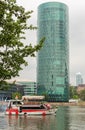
53 58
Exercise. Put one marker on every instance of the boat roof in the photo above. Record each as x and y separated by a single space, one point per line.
33 97
13 100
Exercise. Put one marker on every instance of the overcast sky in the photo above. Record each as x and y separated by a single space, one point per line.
76 38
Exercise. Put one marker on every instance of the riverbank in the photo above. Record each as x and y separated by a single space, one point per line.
80 103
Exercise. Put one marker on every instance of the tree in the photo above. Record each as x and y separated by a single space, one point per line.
13 24
73 92
82 95
16 95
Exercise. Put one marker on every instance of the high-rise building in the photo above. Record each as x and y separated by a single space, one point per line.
53 58
79 79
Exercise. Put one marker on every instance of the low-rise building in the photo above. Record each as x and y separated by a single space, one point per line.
11 89
30 87
80 88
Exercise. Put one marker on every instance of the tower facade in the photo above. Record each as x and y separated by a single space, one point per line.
79 79
53 58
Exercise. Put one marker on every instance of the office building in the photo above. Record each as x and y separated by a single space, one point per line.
53 58
79 79
30 88
12 88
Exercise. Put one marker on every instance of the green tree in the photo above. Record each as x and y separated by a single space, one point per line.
16 95
73 92
13 24
82 95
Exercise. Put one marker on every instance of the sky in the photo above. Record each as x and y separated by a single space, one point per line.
76 38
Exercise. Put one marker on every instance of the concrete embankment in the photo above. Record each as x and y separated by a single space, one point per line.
68 104
80 103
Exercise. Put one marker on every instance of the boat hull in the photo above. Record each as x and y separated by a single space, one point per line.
30 112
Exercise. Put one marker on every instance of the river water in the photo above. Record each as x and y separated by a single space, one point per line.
66 118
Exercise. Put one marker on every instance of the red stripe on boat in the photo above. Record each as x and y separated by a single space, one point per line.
10 111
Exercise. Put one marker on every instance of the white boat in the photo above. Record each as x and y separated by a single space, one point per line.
17 107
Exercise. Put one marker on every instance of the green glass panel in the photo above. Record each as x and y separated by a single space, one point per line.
53 58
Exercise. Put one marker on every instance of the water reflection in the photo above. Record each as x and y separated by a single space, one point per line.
32 122
76 118
62 119
51 122
67 118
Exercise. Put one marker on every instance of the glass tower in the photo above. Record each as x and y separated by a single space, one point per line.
53 58
79 79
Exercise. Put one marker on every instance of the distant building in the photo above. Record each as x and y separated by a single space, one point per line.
53 58
79 79
5 95
23 87
30 88
12 89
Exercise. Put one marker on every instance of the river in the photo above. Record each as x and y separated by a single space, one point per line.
66 118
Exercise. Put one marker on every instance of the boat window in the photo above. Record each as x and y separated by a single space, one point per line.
42 107
17 102
33 107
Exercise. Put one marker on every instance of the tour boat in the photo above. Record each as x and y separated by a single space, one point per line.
18 107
